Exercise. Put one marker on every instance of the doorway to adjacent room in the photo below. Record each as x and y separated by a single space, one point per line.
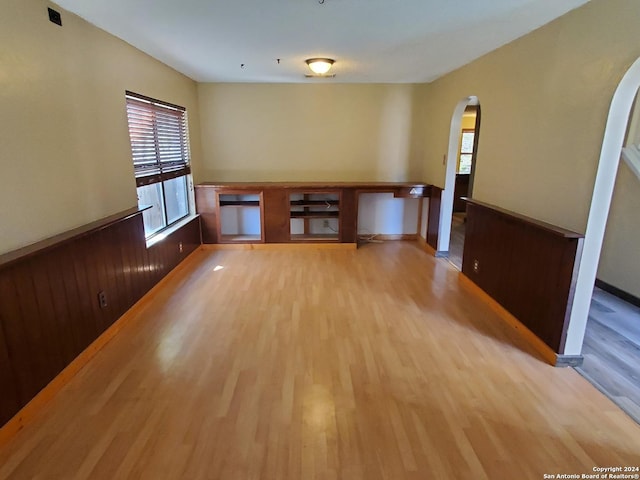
464 176
611 347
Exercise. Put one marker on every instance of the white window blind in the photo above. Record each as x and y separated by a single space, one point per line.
158 133
159 139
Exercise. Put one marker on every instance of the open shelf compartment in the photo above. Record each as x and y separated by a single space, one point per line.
240 217
314 216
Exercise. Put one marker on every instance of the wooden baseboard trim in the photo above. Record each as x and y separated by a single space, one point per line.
31 410
618 292
280 246
425 246
388 237
531 338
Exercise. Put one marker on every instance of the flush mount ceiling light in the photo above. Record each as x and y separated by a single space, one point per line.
320 66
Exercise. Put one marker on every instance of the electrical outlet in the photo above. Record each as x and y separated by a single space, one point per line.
476 266
102 299
180 247
325 223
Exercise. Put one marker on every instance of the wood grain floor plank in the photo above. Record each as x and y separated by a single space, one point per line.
611 350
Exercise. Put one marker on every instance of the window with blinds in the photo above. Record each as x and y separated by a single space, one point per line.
159 138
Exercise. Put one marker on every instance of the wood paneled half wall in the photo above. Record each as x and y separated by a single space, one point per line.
50 309
433 224
527 266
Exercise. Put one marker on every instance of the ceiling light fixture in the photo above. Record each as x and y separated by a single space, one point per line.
320 66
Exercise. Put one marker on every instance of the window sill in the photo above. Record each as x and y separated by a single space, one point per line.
173 228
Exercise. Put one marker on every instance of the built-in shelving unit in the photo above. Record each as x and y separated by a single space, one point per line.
314 216
289 212
240 217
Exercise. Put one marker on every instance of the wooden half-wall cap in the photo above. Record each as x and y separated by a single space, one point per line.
552 229
547 353
399 189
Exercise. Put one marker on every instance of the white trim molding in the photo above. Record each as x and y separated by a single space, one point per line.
610 154
446 202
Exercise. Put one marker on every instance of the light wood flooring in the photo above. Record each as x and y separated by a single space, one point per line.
456 242
611 346
611 350
375 363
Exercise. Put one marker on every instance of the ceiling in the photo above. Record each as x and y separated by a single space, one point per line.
372 41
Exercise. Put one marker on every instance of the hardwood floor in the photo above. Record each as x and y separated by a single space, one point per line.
320 364
456 242
611 350
611 346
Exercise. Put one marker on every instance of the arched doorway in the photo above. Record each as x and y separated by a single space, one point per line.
610 154
457 149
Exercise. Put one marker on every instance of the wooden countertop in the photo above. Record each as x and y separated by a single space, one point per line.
280 185
399 189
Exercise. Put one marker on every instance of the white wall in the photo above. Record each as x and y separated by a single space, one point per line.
293 132
545 99
425 218
240 221
381 213
620 258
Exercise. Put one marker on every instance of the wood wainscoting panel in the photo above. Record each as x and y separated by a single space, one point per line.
526 265
164 256
207 208
9 399
49 308
433 220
